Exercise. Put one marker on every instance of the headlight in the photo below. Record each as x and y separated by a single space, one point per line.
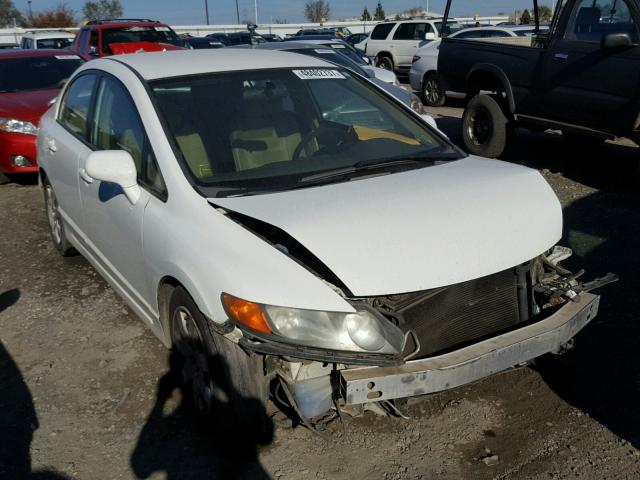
18 126
362 331
416 104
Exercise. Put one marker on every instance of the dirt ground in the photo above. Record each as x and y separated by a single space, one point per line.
86 391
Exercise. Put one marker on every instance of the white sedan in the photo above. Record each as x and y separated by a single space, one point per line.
289 228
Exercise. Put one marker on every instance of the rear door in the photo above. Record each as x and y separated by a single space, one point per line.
64 141
406 40
588 85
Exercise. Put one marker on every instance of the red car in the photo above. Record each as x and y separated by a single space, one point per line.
99 38
29 81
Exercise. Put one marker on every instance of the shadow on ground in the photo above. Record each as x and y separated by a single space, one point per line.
180 444
601 376
18 419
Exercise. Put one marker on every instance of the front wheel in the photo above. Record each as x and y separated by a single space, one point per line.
56 224
484 127
224 383
432 91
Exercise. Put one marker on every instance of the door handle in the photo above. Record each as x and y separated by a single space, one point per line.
561 57
85 176
51 145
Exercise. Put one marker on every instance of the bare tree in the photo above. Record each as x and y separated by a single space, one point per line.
102 9
59 17
317 11
9 14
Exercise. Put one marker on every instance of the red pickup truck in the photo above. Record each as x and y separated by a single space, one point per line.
99 38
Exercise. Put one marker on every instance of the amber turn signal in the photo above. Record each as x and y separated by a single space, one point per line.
247 313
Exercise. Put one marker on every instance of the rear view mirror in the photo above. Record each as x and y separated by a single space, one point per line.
429 36
614 40
115 166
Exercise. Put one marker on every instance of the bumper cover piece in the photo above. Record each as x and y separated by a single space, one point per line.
468 364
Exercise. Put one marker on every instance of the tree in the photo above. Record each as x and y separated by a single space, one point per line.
9 14
397 17
379 13
102 9
59 17
280 20
544 13
525 18
366 16
317 11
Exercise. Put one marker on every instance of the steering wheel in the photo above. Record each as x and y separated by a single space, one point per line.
306 140
340 131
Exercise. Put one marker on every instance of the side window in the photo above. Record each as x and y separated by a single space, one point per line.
495 34
82 43
75 105
117 126
93 43
468 34
591 20
381 31
405 31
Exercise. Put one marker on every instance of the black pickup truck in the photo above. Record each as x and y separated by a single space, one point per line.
581 77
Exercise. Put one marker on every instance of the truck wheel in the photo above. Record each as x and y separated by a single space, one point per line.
484 127
56 224
224 384
432 91
385 62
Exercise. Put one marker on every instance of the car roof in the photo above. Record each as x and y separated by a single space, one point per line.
157 65
41 52
296 45
48 34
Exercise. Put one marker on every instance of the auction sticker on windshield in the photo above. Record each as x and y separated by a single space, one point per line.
318 74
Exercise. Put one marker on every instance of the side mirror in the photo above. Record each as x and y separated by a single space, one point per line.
429 36
367 60
615 40
115 166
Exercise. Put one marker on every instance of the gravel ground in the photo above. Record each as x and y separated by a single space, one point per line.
87 392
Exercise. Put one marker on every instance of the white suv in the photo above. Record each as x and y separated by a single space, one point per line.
46 39
393 44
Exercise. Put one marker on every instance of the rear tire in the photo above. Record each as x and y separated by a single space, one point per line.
385 62
224 383
485 128
432 91
56 223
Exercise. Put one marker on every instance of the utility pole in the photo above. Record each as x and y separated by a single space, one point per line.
237 12
206 10
255 7
30 11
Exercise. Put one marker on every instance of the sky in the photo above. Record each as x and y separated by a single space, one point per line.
189 12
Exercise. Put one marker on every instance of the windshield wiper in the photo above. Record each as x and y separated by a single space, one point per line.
379 164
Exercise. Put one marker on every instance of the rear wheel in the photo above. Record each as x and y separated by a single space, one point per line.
223 382
485 128
56 224
432 91
385 62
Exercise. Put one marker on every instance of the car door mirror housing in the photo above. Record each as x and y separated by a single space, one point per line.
615 40
429 36
115 166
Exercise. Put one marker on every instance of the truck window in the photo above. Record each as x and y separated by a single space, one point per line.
590 20
381 31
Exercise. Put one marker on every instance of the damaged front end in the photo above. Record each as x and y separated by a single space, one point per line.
435 339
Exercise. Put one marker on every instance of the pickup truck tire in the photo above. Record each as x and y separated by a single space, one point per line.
223 383
485 129
432 91
385 62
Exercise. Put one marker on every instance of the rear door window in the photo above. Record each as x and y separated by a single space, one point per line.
382 31
410 31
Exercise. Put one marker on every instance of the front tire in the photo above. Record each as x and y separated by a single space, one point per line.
432 91
484 127
56 224
223 382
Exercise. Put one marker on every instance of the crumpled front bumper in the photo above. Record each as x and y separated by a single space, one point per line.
468 364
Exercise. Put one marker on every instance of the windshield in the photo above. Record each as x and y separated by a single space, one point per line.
332 56
452 27
153 34
282 126
55 42
36 73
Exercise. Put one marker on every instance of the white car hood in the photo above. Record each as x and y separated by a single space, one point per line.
419 229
